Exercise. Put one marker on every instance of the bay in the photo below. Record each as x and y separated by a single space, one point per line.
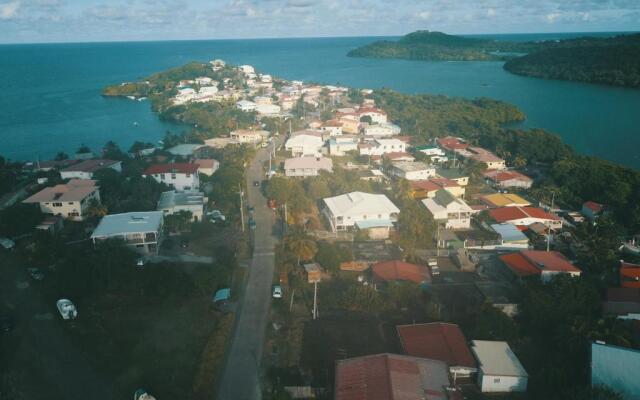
51 99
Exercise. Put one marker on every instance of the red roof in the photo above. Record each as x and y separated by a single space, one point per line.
390 377
452 143
437 341
400 271
506 214
424 185
179 168
593 206
534 262
629 275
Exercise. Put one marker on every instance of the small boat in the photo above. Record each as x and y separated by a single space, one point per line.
131 97
135 124
142 99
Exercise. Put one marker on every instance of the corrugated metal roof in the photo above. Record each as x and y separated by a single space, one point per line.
497 358
438 341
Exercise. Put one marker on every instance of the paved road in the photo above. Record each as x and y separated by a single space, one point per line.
240 379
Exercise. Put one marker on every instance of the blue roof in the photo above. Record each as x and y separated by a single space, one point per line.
221 295
617 368
509 232
374 223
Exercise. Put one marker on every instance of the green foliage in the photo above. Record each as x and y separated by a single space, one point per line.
9 173
331 255
229 178
19 219
492 324
209 119
137 89
611 61
178 222
300 244
125 195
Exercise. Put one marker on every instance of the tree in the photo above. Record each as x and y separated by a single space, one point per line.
60 156
95 209
301 245
178 222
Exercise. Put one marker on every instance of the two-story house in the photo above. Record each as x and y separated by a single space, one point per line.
182 176
69 200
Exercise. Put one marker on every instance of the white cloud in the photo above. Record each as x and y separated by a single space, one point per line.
9 10
491 12
552 17
425 15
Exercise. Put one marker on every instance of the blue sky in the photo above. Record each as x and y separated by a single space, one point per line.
23 21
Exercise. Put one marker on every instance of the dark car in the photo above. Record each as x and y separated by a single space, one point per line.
6 323
256 183
36 274
184 243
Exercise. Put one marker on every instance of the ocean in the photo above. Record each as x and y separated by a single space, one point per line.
51 92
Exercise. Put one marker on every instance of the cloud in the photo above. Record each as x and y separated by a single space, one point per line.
552 17
424 15
491 12
9 10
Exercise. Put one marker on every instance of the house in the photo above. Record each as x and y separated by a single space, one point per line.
333 127
350 123
439 341
497 200
622 300
304 145
525 216
480 155
392 377
499 370
436 154
508 179
70 200
395 270
381 130
451 143
203 81
249 136
510 236
140 230
397 157
314 272
349 210
591 209
412 171
182 176
340 145
616 368
307 166
428 189
372 175
629 275
246 105
537 263
86 169
206 166
379 147
377 115
445 207
268 110
172 202
453 174
247 69
53 164
51 224
219 142
184 150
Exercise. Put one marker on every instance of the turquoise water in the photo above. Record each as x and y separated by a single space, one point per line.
51 93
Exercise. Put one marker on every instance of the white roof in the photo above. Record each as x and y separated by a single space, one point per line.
304 140
445 201
496 358
390 142
133 222
184 149
412 166
358 203
172 199
309 162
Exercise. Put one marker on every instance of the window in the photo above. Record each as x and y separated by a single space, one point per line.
162 176
57 204
188 175
173 176
496 380
71 203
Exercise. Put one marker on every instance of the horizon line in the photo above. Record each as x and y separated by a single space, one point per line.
299 37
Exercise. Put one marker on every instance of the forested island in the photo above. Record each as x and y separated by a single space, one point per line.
610 61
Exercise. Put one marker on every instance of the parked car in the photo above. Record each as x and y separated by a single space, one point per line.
215 216
276 292
6 323
252 223
140 262
7 243
184 243
433 266
142 394
35 274
67 309
256 183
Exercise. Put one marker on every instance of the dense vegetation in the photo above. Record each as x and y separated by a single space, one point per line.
612 62
438 46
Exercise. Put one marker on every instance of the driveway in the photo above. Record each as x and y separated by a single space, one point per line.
41 349
240 379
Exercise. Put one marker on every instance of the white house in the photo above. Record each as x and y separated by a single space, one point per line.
379 147
249 136
412 171
69 200
525 216
340 145
377 116
499 370
436 154
246 105
379 130
307 166
204 81
182 176
445 207
268 110
141 231
332 127
347 210
85 169
207 166
304 145
508 179
172 202
247 69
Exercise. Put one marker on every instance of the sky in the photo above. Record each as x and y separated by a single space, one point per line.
30 21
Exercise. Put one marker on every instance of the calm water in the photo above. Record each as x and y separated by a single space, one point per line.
51 93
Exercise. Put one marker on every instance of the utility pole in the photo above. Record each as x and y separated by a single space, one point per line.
553 196
315 300
241 193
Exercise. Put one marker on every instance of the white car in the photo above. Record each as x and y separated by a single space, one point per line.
67 309
276 292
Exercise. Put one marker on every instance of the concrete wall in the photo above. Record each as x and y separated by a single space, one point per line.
497 384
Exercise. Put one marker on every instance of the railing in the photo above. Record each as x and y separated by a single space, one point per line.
338 235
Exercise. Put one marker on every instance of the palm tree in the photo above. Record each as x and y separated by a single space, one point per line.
301 244
96 209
